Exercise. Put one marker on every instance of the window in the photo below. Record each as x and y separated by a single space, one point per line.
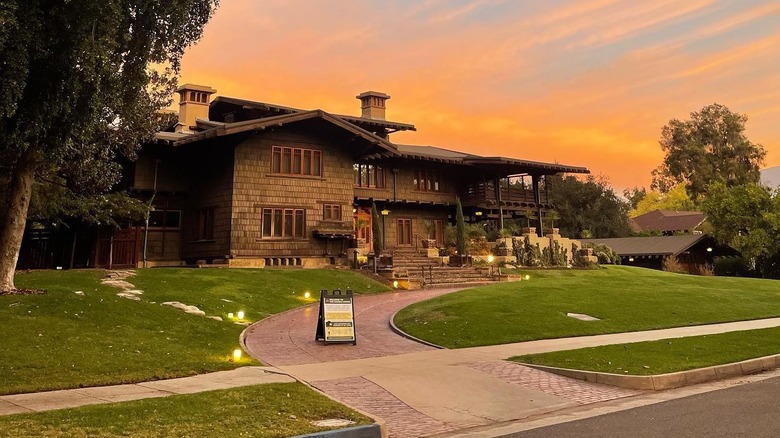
369 175
427 181
284 223
436 232
206 224
332 212
296 161
168 219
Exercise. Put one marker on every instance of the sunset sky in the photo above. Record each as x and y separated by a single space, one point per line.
586 83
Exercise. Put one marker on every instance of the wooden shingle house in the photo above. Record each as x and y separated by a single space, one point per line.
249 183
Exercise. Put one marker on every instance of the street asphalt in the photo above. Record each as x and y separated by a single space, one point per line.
749 410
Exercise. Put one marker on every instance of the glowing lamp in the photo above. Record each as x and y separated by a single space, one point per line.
630 259
478 213
527 277
709 249
237 354
240 314
385 212
395 284
491 258
307 295
230 315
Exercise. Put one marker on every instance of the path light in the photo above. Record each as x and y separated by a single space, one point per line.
527 277
240 314
395 284
307 295
491 258
237 354
230 315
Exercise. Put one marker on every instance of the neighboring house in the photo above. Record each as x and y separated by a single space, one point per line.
249 183
693 251
668 222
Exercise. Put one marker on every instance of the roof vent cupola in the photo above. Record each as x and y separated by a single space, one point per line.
373 104
193 104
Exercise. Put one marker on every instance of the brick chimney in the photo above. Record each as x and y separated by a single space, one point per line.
193 104
373 104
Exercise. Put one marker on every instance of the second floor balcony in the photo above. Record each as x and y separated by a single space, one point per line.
484 195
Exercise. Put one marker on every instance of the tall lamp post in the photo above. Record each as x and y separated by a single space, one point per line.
384 213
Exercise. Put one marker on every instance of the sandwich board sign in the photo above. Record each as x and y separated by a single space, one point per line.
336 321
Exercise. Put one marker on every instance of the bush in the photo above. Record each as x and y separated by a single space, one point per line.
605 254
671 264
732 267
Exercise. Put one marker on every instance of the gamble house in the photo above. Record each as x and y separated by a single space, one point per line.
254 184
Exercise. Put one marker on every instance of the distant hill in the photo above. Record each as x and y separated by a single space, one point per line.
771 176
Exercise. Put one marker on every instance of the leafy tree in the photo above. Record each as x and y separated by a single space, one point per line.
709 147
589 205
747 217
634 195
460 228
376 228
79 90
676 199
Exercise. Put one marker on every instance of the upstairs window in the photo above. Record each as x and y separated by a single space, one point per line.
296 161
369 175
331 212
427 181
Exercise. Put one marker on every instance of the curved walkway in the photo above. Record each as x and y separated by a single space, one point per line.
288 338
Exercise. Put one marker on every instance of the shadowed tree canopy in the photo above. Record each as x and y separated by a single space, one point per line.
709 147
588 208
78 91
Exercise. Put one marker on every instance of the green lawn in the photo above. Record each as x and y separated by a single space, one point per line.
666 355
263 411
625 298
65 340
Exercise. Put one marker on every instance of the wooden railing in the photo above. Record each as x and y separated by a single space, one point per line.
485 192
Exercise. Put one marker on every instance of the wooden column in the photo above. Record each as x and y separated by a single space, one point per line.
497 187
538 201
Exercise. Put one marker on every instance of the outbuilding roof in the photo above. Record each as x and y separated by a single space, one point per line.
669 220
650 246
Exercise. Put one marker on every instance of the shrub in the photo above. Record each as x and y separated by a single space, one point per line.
731 267
605 254
671 264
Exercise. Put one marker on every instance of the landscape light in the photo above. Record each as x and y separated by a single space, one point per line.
307 295
240 314
395 284
527 277
491 258
230 315
237 354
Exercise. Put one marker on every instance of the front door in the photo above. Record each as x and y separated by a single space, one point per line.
404 227
362 219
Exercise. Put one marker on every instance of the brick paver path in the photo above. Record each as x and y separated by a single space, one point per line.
575 390
401 419
288 338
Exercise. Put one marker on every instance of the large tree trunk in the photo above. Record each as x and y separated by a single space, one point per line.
15 217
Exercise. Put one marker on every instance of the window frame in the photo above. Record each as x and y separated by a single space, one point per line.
165 212
283 223
426 180
369 176
296 161
332 212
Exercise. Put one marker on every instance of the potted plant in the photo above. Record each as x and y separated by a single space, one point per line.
553 216
529 215
430 229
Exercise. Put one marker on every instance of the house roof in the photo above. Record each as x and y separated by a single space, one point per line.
222 101
223 129
650 246
669 220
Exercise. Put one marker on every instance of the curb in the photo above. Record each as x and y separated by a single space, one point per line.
370 431
403 334
662 382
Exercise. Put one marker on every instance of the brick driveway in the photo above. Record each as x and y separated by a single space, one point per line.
288 338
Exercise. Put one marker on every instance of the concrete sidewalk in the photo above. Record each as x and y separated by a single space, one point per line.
71 398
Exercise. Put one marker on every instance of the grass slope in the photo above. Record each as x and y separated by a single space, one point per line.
625 298
666 355
65 340
263 411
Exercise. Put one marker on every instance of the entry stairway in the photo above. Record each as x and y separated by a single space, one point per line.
424 271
